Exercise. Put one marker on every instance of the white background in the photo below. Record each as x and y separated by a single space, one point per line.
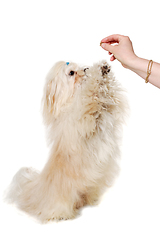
33 36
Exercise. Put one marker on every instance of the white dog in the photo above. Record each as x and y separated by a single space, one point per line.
84 111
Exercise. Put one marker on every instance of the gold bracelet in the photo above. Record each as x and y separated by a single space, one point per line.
149 70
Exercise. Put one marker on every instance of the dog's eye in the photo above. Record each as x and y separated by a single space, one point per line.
71 73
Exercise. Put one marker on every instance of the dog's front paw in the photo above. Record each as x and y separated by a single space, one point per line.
57 219
105 70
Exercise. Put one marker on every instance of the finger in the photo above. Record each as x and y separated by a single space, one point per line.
107 47
112 38
113 42
112 58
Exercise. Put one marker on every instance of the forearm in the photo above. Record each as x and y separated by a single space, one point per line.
140 65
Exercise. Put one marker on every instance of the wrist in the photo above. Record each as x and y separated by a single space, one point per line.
132 63
139 66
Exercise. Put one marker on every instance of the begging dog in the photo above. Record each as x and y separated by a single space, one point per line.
84 110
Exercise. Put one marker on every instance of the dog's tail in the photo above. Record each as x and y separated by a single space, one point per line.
22 181
32 193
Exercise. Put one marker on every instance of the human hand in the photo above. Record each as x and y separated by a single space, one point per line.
120 47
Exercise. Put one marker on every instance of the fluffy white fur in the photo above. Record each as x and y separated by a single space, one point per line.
84 113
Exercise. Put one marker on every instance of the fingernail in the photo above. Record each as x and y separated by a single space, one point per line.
102 44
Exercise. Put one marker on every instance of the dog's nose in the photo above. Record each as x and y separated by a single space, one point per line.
85 69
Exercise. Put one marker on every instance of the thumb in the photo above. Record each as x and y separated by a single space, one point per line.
107 47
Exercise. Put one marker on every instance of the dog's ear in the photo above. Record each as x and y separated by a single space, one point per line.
49 101
50 92
56 92
49 95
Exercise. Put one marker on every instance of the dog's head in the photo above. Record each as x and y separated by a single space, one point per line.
61 83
